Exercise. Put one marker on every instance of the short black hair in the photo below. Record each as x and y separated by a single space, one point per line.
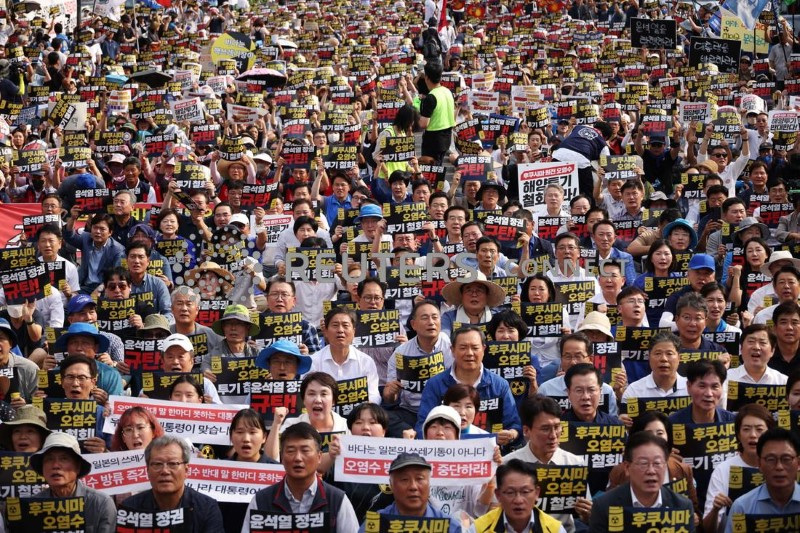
301 431
50 228
642 421
578 336
76 359
632 184
300 221
635 440
509 318
324 379
696 370
433 71
533 406
730 202
786 269
755 328
374 409
372 279
517 466
630 290
464 330
777 435
582 369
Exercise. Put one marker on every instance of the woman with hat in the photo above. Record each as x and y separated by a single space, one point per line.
62 466
747 229
473 299
26 433
210 280
680 235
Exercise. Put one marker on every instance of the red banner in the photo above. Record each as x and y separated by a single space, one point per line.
11 222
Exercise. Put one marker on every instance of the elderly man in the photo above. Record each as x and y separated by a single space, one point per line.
167 459
701 271
178 356
468 348
282 298
517 492
786 283
777 449
60 463
301 490
576 348
645 458
84 339
410 481
79 381
541 421
185 307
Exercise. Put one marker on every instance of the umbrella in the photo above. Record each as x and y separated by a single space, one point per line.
153 78
27 6
272 77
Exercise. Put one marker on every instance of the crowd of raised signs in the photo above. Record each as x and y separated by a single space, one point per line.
450 239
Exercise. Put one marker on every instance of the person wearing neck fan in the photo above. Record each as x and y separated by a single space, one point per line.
473 300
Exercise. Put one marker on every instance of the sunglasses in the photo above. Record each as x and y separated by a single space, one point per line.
115 286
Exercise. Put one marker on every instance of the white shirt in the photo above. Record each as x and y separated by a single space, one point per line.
310 295
733 170
758 296
70 274
637 503
357 365
720 479
557 277
287 239
765 315
647 388
770 377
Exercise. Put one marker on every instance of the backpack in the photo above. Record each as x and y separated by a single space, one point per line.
431 48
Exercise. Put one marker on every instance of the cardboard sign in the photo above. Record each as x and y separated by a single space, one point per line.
231 481
190 110
413 372
276 326
202 423
724 53
376 329
455 463
264 522
653 33
46 514
405 218
543 320
386 523
298 156
607 359
534 178
117 472
17 477
25 284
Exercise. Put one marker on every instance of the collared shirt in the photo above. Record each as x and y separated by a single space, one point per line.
357 365
637 503
161 300
410 400
527 529
770 377
304 503
647 388
558 387
783 366
758 501
95 255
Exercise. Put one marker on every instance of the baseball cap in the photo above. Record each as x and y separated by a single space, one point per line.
178 339
699 261
239 218
408 459
78 302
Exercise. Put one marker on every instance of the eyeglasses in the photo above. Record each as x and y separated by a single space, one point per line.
114 286
79 379
567 248
171 465
634 301
130 430
773 460
280 295
372 298
512 494
645 465
580 391
719 154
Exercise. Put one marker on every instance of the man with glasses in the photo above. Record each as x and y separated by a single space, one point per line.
777 449
517 492
541 423
728 169
167 459
576 349
646 458
568 269
281 298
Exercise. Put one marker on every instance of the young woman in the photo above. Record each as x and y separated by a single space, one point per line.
509 326
539 289
743 280
186 389
660 263
715 296
137 427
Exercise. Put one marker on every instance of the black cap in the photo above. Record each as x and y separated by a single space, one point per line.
409 459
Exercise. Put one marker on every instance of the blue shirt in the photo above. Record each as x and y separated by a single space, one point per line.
490 386
684 416
161 300
758 502
430 512
332 206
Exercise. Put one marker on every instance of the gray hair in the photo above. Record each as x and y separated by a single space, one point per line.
184 290
666 336
167 440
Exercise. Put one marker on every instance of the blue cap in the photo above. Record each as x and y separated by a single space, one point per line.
699 261
369 210
8 330
287 347
144 228
85 329
78 302
86 181
685 224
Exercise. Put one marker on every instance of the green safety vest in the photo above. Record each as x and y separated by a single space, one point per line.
444 115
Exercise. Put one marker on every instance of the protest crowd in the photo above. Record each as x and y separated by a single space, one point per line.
380 266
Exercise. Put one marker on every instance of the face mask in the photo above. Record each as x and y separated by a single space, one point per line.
766 159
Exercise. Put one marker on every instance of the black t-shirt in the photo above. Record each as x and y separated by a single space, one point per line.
434 143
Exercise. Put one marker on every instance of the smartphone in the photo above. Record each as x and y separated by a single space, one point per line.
715 213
